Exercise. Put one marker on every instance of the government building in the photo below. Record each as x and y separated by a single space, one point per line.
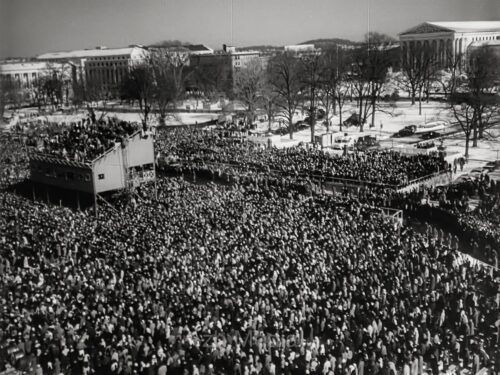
105 67
450 40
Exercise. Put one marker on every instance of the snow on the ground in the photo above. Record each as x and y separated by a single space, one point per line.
393 119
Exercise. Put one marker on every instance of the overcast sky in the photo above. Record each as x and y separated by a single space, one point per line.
31 27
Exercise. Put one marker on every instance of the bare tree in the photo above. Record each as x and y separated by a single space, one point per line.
10 93
248 84
369 73
169 78
416 64
472 98
139 85
268 100
311 81
483 74
334 82
464 113
284 76
211 81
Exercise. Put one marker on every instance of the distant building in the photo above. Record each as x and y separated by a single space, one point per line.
449 40
300 48
240 59
226 63
103 66
27 73
199 49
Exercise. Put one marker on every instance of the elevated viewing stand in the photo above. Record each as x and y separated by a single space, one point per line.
126 165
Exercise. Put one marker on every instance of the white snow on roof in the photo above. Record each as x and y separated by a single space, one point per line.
27 65
469 26
86 53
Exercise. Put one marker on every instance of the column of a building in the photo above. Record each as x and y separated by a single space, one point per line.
439 57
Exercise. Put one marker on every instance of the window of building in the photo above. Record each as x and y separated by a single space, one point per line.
87 177
101 176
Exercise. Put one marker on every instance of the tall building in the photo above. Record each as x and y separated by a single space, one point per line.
223 65
104 67
449 40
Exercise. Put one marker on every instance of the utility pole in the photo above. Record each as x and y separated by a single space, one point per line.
232 40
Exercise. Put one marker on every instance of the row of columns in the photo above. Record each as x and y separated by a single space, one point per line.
446 50
441 49
107 76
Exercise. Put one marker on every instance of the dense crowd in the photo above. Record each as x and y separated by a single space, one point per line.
260 276
380 167
482 220
86 140
13 159
237 279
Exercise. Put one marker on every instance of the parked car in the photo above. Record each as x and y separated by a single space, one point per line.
406 131
353 120
342 141
430 135
431 126
365 142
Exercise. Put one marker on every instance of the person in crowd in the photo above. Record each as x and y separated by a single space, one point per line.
262 275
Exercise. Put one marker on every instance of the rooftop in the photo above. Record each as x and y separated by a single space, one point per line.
198 47
82 53
27 65
469 26
458 27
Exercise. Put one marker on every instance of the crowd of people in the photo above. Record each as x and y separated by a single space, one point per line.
13 159
237 279
85 140
259 276
380 167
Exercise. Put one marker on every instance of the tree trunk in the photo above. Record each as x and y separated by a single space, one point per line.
360 115
467 139
327 115
313 125
420 102
340 117
480 129
290 125
474 134
374 101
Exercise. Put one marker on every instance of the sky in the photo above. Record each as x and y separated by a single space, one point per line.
32 27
